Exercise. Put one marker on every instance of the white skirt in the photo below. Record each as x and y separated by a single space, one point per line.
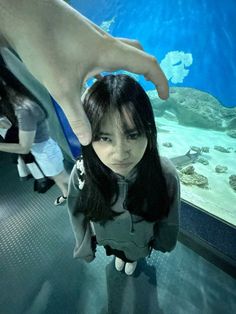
49 157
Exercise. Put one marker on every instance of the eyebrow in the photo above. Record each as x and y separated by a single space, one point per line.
130 130
125 132
103 133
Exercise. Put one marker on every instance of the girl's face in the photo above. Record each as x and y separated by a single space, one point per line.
119 148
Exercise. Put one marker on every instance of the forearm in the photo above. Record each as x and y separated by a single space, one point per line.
19 19
40 30
11 20
13 148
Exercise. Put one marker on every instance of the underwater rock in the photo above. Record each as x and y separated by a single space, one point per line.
232 182
196 149
203 161
170 116
221 149
188 170
193 107
167 144
193 178
231 120
205 149
231 133
221 169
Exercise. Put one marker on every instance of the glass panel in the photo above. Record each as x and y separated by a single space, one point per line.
194 42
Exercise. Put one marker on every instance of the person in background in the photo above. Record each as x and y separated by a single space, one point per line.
122 194
22 109
62 49
26 164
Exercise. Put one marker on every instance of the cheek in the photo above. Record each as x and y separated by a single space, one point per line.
141 148
100 151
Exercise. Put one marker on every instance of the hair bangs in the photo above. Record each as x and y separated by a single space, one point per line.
97 103
130 118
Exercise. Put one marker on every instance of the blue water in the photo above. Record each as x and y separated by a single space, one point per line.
203 31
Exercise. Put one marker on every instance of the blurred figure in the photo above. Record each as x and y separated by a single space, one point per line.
26 164
22 109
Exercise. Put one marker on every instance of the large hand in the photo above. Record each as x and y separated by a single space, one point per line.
62 49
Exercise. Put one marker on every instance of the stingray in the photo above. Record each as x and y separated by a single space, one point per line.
184 160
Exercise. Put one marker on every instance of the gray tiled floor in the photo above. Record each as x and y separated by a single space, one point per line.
38 274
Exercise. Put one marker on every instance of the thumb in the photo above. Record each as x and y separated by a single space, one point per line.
78 121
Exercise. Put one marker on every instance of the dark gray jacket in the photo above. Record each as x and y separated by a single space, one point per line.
126 232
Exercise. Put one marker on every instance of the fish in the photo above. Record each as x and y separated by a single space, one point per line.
105 25
184 160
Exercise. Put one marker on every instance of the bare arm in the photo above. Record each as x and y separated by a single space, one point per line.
26 139
62 49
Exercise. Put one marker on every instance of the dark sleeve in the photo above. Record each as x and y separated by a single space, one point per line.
81 227
166 231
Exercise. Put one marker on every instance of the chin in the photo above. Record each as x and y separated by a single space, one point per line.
123 173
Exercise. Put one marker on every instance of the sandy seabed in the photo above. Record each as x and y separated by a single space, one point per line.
219 199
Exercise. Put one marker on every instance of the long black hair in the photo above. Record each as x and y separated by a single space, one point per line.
148 195
9 83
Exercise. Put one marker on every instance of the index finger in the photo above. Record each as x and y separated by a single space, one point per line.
120 55
157 77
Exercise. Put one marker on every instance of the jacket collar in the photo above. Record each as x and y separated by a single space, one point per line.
130 178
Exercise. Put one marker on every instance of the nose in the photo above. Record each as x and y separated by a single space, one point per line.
121 151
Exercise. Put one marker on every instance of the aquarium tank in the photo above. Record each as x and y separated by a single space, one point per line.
194 42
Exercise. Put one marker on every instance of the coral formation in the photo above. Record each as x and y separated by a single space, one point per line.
196 108
221 169
167 144
188 176
232 182
232 133
203 161
221 149
205 149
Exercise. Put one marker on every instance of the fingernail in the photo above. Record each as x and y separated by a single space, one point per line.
84 139
163 92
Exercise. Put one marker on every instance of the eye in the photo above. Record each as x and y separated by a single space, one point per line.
133 136
104 139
